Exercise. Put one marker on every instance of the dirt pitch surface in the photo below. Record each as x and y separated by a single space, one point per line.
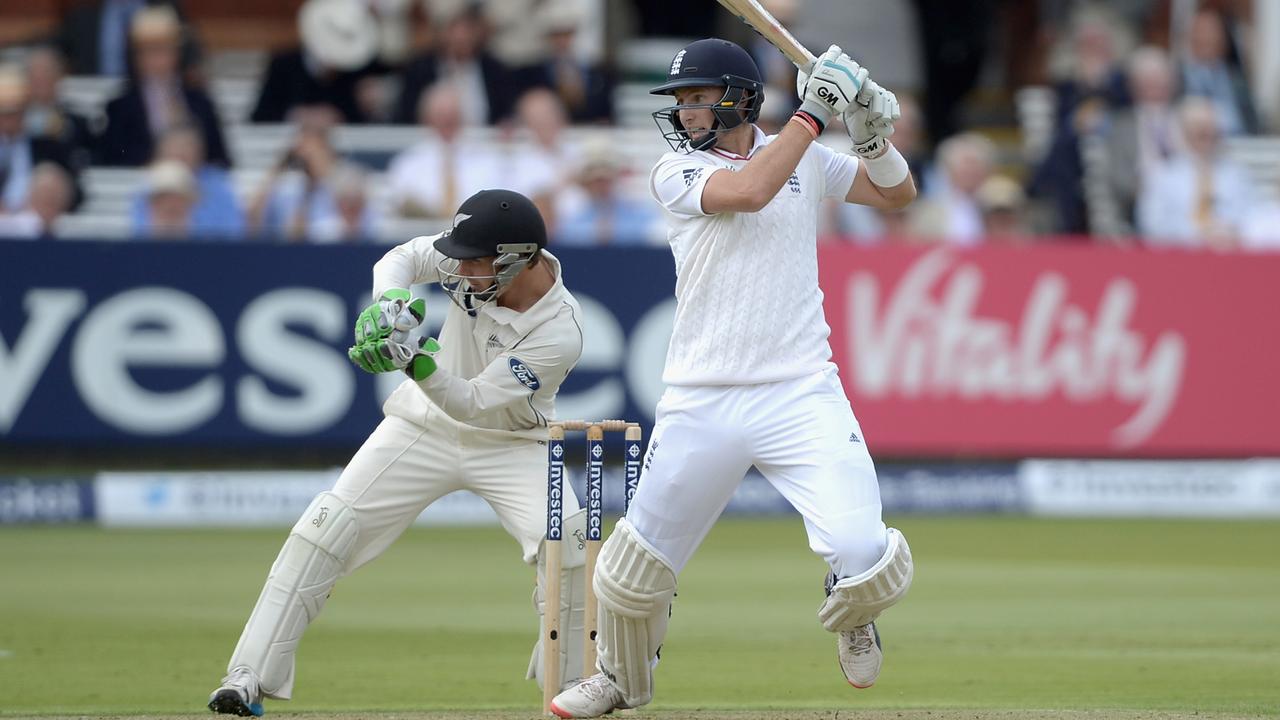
709 714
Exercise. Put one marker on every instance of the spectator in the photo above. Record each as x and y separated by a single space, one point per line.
1141 138
216 213
584 89
50 198
339 40
1200 198
1003 206
157 97
950 211
171 194
1085 102
47 117
353 219
19 152
1206 73
542 167
94 36
597 213
299 195
487 88
431 178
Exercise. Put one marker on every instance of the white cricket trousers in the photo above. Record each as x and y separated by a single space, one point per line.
800 434
403 467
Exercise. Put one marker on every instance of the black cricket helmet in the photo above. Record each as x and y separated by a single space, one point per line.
711 62
502 224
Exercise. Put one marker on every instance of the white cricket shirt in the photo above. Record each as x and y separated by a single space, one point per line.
498 370
748 305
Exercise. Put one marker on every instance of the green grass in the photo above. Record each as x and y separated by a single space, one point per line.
1005 614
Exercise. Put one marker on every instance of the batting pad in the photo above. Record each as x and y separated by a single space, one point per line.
299 582
858 600
635 586
573 599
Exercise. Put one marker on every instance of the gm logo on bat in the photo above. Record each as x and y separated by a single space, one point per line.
524 373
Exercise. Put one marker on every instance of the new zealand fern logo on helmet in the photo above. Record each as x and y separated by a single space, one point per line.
524 373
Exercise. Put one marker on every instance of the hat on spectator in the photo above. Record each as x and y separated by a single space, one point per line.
559 16
155 23
13 89
170 177
1000 193
341 34
599 161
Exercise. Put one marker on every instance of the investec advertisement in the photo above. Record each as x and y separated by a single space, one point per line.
1073 351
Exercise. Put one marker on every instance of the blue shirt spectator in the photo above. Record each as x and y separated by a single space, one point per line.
216 213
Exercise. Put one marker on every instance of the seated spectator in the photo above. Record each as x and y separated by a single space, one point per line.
47 116
20 153
339 41
431 178
216 213
171 194
1003 206
950 210
50 198
585 89
1207 73
544 165
94 36
596 212
1198 199
1147 135
157 97
353 219
299 195
486 86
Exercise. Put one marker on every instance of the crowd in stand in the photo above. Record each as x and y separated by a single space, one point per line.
1134 150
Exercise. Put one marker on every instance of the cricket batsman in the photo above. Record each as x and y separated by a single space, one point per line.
748 372
471 415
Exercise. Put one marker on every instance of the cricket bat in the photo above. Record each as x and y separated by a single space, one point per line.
757 18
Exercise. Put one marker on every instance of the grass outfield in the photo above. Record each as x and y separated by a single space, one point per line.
1086 619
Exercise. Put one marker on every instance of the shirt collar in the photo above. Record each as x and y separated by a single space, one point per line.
757 139
547 305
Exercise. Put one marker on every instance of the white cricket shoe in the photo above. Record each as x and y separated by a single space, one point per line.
239 694
860 655
590 698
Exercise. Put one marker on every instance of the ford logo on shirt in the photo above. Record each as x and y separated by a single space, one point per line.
524 373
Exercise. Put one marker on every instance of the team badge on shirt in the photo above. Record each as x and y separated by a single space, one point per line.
524 373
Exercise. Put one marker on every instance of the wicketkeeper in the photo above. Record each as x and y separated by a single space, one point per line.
471 415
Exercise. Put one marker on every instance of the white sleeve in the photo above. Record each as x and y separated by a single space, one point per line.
406 264
535 366
677 182
837 170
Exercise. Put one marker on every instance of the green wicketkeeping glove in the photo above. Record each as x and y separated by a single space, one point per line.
394 311
386 355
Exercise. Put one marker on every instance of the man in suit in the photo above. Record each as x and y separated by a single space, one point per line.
487 86
94 36
47 116
339 41
20 153
156 97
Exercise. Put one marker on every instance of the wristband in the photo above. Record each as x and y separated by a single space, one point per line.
888 170
805 115
807 123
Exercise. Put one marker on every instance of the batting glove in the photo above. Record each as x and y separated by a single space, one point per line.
830 85
869 120
416 358
393 315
